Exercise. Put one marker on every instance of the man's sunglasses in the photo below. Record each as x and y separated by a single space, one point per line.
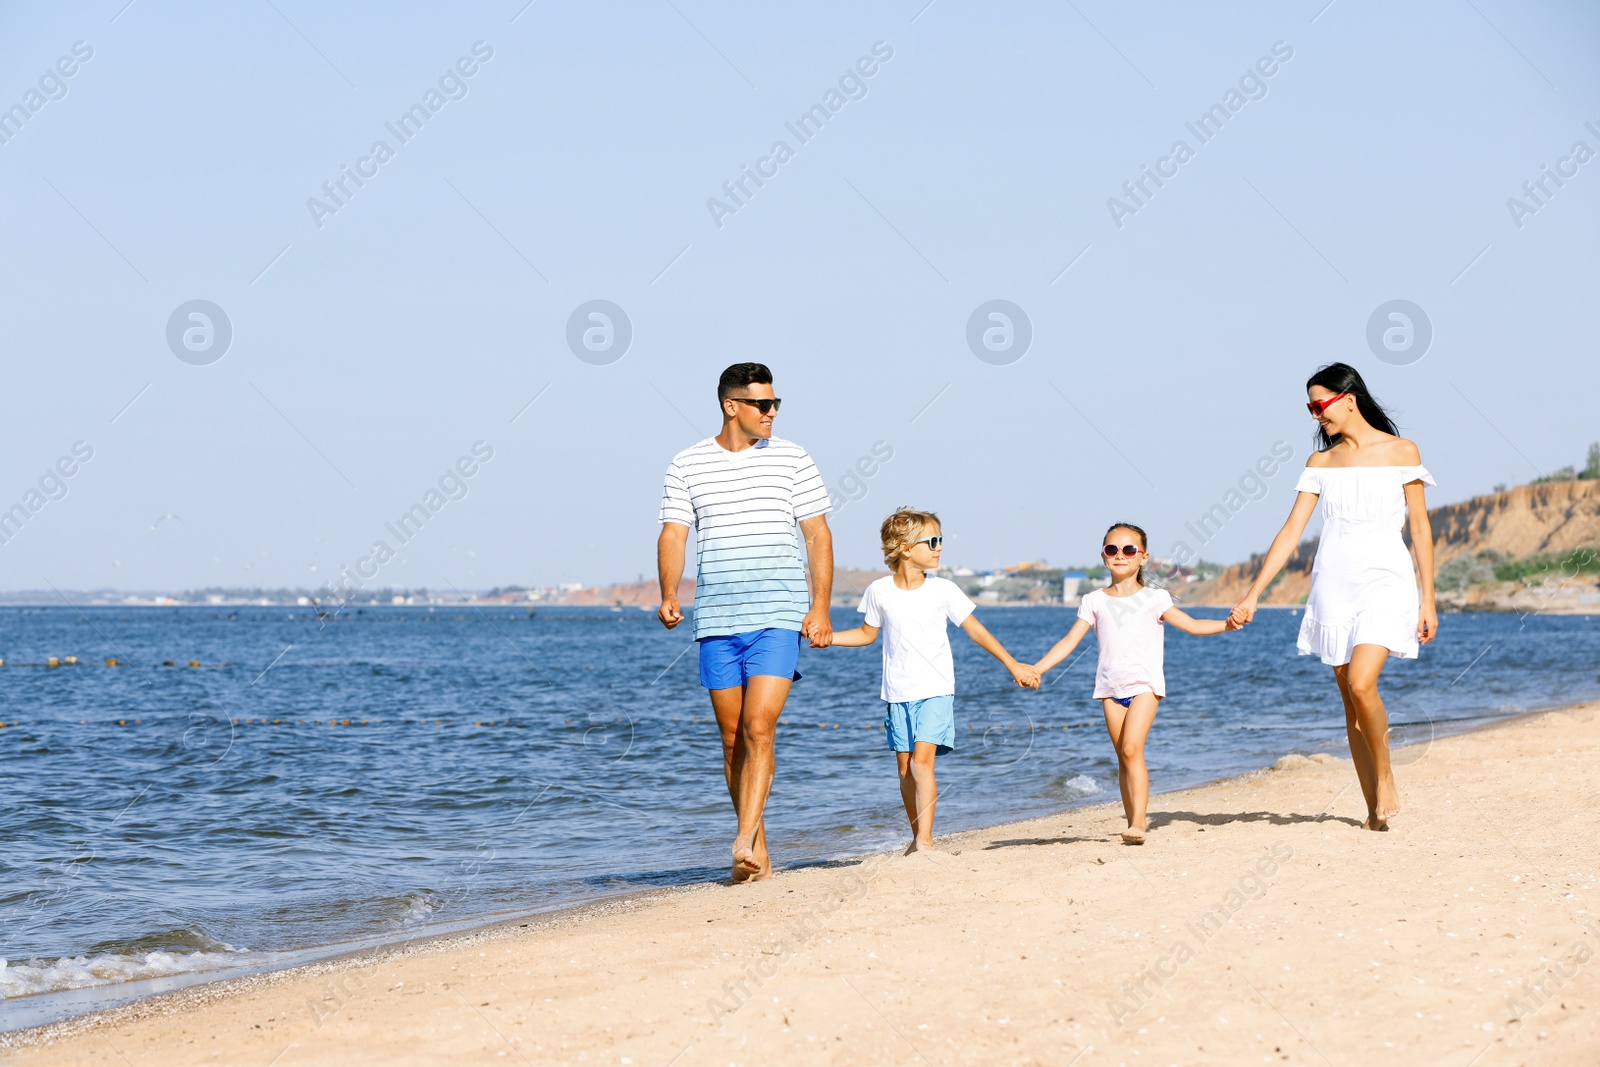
764 404
1126 550
935 542
1317 407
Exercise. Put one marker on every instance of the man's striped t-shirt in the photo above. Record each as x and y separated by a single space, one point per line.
745 508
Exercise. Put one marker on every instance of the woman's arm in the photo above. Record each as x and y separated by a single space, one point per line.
1063 648
1026 676
859 637
1283 547
1422 545
1199 627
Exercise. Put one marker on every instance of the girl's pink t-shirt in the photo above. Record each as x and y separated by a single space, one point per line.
1129 632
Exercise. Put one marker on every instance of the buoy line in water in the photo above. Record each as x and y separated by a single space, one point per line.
582 724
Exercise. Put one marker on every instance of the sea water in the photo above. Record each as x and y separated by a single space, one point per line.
387 773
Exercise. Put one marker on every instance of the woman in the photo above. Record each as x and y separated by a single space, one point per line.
1363 605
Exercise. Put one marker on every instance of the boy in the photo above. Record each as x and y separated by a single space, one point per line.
919 681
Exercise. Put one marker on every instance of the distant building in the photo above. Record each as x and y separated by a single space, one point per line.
1072 586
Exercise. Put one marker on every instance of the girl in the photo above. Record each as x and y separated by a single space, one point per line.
912 609
1126 617
1363 605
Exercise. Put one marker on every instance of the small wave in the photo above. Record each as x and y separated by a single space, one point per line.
1081 785
81 972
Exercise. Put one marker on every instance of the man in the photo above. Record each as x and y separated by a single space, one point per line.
745 491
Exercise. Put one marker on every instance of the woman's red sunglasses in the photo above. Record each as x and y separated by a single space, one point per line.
1127 550
1317 407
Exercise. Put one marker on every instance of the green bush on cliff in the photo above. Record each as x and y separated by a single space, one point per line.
1541 567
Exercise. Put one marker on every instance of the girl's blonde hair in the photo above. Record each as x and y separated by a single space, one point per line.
903 529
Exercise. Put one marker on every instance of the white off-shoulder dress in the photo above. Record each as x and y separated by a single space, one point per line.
1363 586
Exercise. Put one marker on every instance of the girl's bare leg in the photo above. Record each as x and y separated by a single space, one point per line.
1129 727
1115 714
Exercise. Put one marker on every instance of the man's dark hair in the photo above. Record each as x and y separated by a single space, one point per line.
742 376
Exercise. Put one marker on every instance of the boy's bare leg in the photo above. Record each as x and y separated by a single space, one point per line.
908 794
927 796
764 697
728 705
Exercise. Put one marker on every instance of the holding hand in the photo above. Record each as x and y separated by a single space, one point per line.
1243 612
818 627
1026 676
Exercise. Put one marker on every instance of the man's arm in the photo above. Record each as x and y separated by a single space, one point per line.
669 570
819 554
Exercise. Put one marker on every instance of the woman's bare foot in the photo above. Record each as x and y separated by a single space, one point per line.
921 846
1133 835
1388 799
1375 822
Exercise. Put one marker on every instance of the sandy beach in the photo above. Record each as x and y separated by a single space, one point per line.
1258 925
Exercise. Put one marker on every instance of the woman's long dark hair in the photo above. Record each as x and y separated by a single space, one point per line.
1343 378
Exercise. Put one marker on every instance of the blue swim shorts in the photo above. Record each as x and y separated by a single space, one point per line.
729 661
932 719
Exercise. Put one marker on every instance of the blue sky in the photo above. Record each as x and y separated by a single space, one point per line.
374 346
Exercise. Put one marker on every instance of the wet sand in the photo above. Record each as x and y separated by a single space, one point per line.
1257 925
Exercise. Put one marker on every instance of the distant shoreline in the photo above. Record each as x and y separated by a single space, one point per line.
1524 605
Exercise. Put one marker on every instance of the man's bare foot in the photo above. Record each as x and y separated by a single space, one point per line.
745 863
921 846
1133 835
1375 822
765 871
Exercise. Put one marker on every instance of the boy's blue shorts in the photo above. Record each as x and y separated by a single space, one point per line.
932 719
729 661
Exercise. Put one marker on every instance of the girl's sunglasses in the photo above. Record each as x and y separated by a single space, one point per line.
1317 407
1126 550
935 542
764 404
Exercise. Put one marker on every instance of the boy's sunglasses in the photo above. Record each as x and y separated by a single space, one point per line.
764 404
935 542
1126 550
1317 407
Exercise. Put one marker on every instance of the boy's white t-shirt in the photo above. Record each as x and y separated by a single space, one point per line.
916 646
1128 630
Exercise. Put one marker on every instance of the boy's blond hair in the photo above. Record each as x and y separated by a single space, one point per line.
903 529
